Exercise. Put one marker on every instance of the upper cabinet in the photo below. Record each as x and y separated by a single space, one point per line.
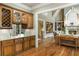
27 21
5 17
16 17
9 16
30 21
24 18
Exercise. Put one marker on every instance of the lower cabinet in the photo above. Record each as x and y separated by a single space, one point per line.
15 46
32 41
26 43
0 49
8 48
18 45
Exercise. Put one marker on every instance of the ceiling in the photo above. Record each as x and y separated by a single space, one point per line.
31 4
35 5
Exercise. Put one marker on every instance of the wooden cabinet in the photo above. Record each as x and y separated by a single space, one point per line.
32 41
5 17
14 46
24 18
17 16
9 15
18 45
30 21
26 43
8 48
27 21
29 42
0 49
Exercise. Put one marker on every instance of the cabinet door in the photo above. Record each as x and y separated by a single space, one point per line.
26 43
24 18
32 41
30 21
8 48
6 17
18 45
16 17
0 49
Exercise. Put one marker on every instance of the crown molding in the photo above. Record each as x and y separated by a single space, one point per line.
19 6
40 5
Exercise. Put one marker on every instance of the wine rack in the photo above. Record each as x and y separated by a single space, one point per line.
6 18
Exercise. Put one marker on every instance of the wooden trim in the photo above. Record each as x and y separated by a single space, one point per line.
0 17
5 28
1 48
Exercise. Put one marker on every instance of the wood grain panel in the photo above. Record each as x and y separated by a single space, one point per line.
24 18
26 43
32 41
7 42
30 21
0 48
18 48
18 45
8 48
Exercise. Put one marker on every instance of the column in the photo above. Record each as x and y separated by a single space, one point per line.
36 29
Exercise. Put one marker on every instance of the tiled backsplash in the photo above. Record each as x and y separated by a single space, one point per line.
4 34
29 32
7 33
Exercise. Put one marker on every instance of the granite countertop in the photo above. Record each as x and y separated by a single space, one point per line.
15 37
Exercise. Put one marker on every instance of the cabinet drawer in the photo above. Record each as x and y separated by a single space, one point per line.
7 42
18 41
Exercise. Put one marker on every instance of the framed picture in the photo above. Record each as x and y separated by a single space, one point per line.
49 27
59 26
